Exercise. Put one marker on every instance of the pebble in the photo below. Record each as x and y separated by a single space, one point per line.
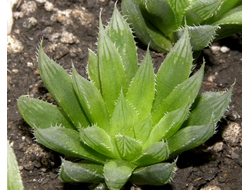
48 6
215 49
231 134
68 38
28 7
40 1
14 45
224 49
15 71
211 187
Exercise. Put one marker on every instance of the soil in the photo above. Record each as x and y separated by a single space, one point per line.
67 35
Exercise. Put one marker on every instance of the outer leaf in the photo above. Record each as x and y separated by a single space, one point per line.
67 142
99 140
201 10
225 7
58 82
117 173
160 15
143 129
142 88
127 147
93 69
158 174
155 153
123 119
40 114
179 8
179 59
85 172
184 93
168 125
121 35
14 180
200 36
189 138
143 28
91 101
207 104
230 23
112 74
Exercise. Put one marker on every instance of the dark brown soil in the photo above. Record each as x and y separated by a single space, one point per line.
215 165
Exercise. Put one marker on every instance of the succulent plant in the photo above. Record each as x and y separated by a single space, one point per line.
162 22
14 179
125 123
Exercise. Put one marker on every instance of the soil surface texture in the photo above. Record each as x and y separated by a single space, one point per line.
68 29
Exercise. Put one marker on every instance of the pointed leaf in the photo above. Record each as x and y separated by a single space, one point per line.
112 73
200 36
121 35
184 93
84 172
117 173
59 84
179 7
179 59
67 142
93 69
14 179
91 101
143 28
158 174
142 88
168 125
124 118
230 23
127 147
155 153
201 10
160 14
40 114
143 129
225 7
189 138
99 140
207 104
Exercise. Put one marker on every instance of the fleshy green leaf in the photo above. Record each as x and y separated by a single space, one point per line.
127 146
117 173
230 23
123 119
91 100
67 142
189 138
207 104
143 129
179 8
179 59
143 28
84 172
59 84
155 153
93 69
184 93
121 35
158 174
168 125
111 69
99 140
201 10
200 36
40 114
225 7
142 88
14 180
160 14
